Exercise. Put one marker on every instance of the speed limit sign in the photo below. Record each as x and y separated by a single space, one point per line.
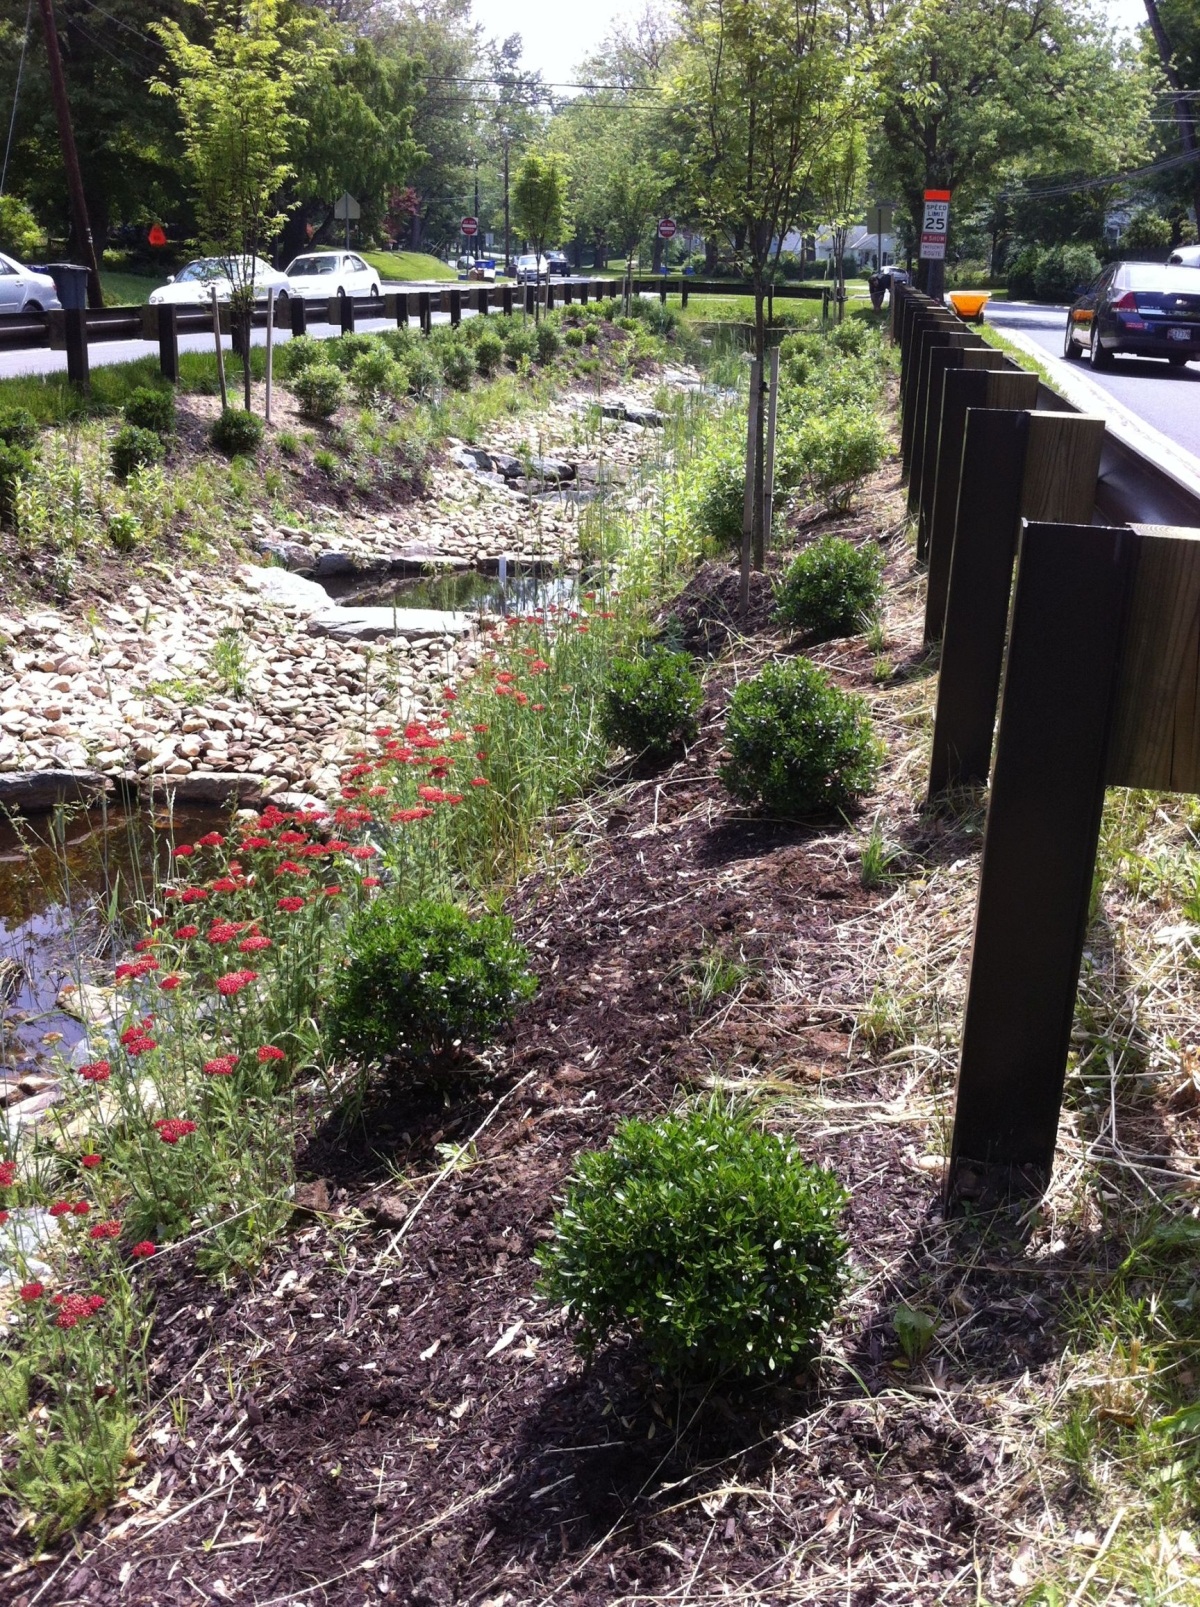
666 228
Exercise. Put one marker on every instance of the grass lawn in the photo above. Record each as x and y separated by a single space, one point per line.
124 289
408 265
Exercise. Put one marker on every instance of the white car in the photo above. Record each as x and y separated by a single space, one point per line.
332 273
1185 257
25 290
531 268
194 285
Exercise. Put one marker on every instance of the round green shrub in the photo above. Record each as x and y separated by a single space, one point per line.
399 342
1063 270
292 357
797 743
424 372
489 354
458 365
549 343
15 464
319 391
711 1240
650 704
832 588
573 337
151 409
520 341
134 448
237 433
851 337
836 450
18 428
345 350
373 374
719 496
423 978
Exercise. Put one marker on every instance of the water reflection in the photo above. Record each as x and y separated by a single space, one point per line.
462 591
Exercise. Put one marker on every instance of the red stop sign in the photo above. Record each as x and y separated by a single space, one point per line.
470 226
666 228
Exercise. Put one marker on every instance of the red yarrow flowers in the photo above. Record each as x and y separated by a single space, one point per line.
234 981
172 1128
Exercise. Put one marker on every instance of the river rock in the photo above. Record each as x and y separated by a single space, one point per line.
32 791
369 624
556 469
218 787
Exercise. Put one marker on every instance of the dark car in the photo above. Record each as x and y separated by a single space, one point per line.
1140 308
557 263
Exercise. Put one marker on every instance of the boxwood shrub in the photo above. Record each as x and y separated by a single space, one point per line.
423 979
797 744
134 448
151 409
650 704
709 1239
832 588
237 433
319 391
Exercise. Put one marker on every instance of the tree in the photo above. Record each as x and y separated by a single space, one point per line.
839 178
632 205
761 82
976 94
539 206
235 95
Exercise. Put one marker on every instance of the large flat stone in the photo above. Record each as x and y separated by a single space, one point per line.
275 585
33 791
369 624
213 787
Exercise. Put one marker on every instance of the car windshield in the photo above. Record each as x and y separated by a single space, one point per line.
199 272
1149 276
307 265
526 262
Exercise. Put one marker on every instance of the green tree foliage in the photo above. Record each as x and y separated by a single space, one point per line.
539 202
235 93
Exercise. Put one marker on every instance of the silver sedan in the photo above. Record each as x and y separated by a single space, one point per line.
24 289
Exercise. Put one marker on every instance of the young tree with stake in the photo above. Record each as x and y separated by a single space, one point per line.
539 207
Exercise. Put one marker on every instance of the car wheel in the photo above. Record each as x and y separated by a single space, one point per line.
1099 357
33 306
374 291
1178 359
1070 345
281 298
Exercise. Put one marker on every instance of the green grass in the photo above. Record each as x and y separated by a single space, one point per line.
123 289
407 265
53 400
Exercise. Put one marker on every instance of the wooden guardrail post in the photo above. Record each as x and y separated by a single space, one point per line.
926 333
1042 466
986 380
549 295
583 293
299 315
506 301
67 330
425 311
937 439
937 354
455 308
530 294
683 294
162 324
1043 824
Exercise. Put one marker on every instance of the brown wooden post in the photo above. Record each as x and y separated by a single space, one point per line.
530 301
683 294
1043 823
567 293
1042 466
549 295
341 310
963 389
935 359
481 301
425 310
396 306
583 294
299 312
939 441
927 335
918 321
455 308
75 330
506 301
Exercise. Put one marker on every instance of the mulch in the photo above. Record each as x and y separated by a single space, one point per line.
388 1410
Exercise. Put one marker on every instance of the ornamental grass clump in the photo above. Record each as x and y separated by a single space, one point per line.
650 704
425 980
709 1239
832 588
798 745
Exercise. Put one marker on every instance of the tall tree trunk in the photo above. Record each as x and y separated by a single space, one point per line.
710 254
1183 112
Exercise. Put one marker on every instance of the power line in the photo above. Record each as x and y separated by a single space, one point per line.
1045 193
12 122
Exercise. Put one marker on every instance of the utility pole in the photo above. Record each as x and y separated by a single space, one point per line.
62 111
507 252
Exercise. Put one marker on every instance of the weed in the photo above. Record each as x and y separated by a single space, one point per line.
230 660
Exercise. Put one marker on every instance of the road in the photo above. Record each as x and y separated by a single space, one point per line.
1166 399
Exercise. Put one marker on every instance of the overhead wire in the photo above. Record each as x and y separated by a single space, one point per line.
12 122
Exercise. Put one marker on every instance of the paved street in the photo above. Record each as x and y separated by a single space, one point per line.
1167 399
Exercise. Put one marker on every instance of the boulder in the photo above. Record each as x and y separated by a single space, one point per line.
369 624
33 791
220 787
556 469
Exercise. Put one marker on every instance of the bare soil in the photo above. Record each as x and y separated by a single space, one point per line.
389 1411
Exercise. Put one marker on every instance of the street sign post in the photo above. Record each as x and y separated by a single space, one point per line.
470 226
344 210
666 228
935 225
880 218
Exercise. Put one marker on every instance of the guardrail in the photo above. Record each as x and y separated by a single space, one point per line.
75 330
1092 659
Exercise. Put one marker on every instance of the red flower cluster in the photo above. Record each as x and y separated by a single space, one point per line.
90 1161
169 983
193 895
32 1291
290 905
270 1052
227 884
137 1041
136 969
105 1230
96 1071
67 1208
402 815
184 851
184 932
172 1128
145 1248
73 1309
222 1066
212 839
223 932
8 1173
234 981
254 943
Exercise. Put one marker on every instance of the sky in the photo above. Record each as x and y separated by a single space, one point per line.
557 33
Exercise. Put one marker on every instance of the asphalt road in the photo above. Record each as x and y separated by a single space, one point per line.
1165 398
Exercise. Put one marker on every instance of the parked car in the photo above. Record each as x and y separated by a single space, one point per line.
332 273
1185 257
25 289
463 265
1137 307
531 269
557 263
194 285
